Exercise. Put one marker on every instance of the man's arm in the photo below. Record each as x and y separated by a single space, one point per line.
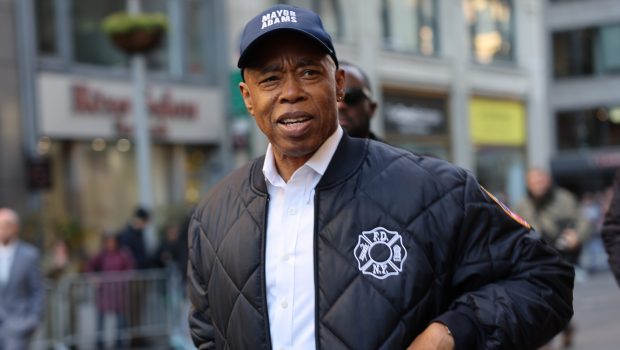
510 289
200 325
611 230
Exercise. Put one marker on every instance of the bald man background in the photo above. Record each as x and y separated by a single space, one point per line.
21 285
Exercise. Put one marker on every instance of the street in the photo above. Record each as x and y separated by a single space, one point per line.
597 313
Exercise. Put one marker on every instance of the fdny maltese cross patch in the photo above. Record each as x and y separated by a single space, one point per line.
380 253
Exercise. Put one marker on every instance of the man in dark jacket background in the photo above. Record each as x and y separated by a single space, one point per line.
333 242
611 230
357 107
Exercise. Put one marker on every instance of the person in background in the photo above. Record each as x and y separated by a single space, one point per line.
357 107
132 238
111 294
555 214
611 230
335 242
22 288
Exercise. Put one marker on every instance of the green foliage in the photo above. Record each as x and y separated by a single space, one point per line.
123 22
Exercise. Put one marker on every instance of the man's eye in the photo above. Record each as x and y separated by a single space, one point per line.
309 72
269 79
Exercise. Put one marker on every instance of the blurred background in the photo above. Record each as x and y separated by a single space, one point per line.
494 86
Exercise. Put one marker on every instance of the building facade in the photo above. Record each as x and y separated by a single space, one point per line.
67 120
463 80
584 85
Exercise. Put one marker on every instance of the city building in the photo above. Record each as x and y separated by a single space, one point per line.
461 80
584 91
67 124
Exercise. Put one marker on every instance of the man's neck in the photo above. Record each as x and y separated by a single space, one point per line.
288 165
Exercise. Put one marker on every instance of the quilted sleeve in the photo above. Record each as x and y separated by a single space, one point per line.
200 325
511 290
611 230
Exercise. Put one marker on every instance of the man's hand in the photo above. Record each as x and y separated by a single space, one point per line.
570 238
435 337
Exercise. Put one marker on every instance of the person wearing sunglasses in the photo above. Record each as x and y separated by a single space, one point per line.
357 107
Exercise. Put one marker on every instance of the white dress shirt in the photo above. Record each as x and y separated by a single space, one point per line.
289 252
6 260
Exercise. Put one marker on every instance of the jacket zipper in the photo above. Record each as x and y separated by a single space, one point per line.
316 269
264 280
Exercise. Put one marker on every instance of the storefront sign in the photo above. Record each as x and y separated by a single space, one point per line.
414 115
77 107
497 122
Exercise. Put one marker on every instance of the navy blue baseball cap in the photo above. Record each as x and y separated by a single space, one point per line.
283 17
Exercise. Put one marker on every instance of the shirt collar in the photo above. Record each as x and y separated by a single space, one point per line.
318 162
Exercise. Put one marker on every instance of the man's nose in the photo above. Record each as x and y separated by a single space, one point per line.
292 90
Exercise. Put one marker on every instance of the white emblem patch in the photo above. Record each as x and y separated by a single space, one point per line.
380 253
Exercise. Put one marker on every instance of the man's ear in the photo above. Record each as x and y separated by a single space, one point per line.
247 99
339 75
373 107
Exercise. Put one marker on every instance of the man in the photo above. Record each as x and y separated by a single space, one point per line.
21 285
357 107
333 242
132 238
611 230
555 215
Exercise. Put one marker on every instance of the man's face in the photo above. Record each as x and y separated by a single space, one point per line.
355 111
9 226
291 92
538 182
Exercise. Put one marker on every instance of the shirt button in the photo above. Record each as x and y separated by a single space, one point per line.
292 211
284 304
286 258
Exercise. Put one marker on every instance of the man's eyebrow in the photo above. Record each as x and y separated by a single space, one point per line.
307 62
275 67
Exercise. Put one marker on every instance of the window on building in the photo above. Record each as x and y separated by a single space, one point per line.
92 46
410 26
491 25
196 45
331 12
588 128
586 51
573 52
46 27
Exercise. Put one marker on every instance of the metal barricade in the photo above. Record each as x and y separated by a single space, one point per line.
138 309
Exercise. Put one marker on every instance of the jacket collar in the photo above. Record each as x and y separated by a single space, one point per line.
347 159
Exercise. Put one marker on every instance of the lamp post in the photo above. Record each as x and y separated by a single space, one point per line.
136 41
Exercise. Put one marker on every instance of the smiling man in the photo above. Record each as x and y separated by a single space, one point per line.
333 242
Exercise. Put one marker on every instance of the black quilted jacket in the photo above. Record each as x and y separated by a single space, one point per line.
461 259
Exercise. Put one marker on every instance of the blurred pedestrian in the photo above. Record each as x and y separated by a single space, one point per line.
555 214
21 285
357 107
132 237
111 294
335 242
59 263
611 230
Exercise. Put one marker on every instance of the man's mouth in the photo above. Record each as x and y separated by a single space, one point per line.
294 118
